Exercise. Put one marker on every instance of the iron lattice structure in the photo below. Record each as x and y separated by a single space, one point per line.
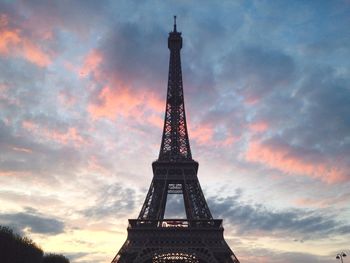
152 238
175 144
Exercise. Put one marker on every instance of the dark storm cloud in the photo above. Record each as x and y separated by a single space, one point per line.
112 201
36 222
249 219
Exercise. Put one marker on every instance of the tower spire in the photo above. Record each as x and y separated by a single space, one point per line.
175 144
174 23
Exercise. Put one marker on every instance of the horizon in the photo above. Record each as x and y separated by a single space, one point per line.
267 93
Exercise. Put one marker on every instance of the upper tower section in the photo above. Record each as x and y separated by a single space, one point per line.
175 39
175 146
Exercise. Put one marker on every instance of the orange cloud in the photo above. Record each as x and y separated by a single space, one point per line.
13 43
5 174
282 159
11 173
8 39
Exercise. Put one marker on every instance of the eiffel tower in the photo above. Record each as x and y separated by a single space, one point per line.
152 238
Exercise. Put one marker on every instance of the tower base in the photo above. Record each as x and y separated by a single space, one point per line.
174 241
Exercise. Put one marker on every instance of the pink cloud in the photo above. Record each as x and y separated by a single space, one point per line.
259 126
66 98
32 52
282 158
156 121
118 98
9 99
70 136
14 43
91 63
8 39
140 105
121 102
341 200
20 149
95 165
204 135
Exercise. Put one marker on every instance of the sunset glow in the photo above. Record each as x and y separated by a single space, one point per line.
266 86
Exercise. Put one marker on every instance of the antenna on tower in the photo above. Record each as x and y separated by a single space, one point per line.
174 23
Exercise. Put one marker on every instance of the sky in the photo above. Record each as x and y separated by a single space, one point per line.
267 94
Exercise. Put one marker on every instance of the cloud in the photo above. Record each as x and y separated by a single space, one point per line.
116 201
83 86
259 126
91 63
26 156
341 199
125 46
60 15
212 135
175 207
123 102
33 221
250 219
14 43
261 255
77 255
255 71
308 127
295 160
70 136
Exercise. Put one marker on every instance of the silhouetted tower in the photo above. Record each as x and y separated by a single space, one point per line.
151 237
